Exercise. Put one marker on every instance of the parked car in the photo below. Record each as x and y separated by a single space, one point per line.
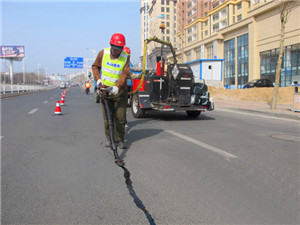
62 85
263 82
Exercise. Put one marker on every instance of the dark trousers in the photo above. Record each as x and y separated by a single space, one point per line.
117 105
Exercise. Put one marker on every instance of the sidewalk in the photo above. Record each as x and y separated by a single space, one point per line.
283 110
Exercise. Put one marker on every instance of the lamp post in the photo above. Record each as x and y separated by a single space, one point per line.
93 50
149 20
39 72
162 27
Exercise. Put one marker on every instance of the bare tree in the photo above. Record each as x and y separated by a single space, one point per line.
286 6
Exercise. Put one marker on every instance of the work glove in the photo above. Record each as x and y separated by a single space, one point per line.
113 90
99 82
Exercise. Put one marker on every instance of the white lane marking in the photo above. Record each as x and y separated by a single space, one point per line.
204 145
51 97
33 111
1 137
45 101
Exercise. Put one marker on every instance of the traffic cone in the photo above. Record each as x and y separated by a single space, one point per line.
62 101
62 96
57 109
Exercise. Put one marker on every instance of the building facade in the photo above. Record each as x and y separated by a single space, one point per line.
153 14
244 33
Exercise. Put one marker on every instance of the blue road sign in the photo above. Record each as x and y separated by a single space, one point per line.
73 62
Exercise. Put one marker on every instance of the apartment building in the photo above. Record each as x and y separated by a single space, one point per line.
153 14
243 33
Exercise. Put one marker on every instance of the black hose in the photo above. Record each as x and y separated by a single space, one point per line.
111 130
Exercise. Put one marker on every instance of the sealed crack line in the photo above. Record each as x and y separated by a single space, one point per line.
136 199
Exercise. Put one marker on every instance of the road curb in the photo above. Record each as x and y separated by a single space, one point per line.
275 114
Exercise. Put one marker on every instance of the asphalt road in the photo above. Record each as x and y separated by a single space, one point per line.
222 168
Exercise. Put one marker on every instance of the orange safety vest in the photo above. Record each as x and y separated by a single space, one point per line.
88 85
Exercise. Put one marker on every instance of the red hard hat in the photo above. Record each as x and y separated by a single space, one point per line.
127 50
117 39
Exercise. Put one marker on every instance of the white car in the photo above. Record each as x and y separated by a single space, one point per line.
62 85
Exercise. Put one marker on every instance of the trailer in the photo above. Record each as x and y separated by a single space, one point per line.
172 90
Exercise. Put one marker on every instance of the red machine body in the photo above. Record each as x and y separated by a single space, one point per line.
136 83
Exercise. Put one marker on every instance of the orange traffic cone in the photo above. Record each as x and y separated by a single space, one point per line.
57 109
62 100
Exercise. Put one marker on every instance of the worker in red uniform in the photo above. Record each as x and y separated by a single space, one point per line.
87 87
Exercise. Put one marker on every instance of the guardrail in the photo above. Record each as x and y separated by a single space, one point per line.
16 88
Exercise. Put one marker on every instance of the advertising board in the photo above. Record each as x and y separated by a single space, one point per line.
12 52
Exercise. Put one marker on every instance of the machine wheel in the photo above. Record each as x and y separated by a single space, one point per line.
136 110
193 114
97 98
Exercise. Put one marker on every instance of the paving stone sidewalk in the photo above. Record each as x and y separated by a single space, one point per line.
283 110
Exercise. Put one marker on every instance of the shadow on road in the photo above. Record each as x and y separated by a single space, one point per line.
136 135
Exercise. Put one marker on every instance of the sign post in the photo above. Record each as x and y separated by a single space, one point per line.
12 53
73 62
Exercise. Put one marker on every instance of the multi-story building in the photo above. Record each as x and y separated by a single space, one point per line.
153 14
243 33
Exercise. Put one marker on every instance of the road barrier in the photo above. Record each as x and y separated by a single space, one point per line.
17 88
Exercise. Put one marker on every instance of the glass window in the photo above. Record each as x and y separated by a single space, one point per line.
210 52
239 17
168 9
229 63
239 6
168 2
198 53
162 2
243 62
162 9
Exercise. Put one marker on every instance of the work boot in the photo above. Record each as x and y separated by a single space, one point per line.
121 145
126 127
107 144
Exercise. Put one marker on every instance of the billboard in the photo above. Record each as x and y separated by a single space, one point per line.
12 52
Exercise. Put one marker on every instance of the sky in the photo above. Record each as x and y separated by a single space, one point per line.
53 30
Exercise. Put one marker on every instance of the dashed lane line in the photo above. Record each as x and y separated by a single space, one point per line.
33 111
221 152
45 101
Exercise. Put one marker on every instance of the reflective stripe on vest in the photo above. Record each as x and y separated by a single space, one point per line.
112 69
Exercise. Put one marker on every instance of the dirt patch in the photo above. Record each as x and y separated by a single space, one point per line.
285 95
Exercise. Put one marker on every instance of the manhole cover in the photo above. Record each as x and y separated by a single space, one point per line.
286 137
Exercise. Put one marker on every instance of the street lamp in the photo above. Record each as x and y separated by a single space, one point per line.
93 50
148 31
39 72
